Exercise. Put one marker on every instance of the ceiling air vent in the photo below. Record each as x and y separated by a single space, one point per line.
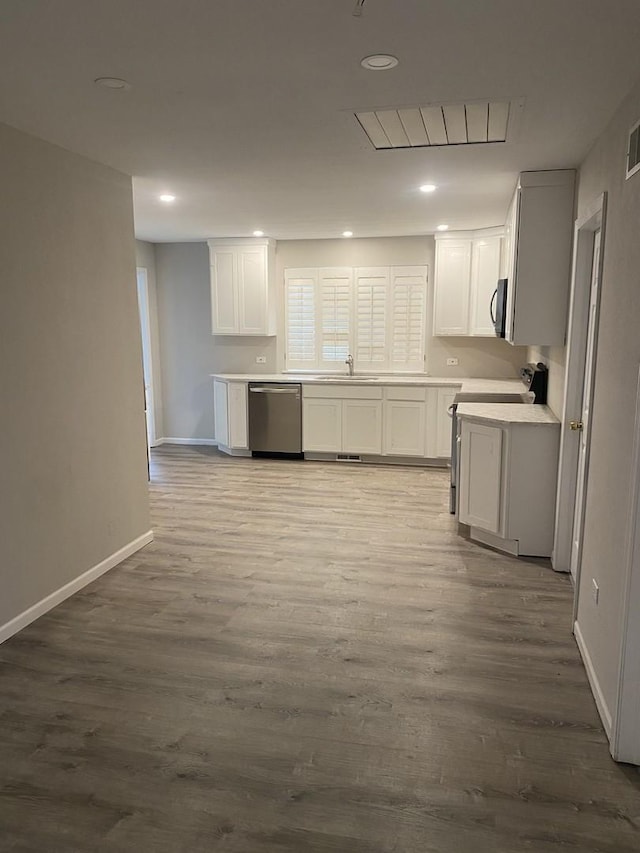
447 124
633 150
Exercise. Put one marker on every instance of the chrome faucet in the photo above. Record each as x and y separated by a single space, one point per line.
349 363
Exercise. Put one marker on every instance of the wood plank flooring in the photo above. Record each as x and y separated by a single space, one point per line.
308 659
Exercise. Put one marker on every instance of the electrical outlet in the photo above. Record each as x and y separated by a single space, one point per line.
261 359
452 362
595 589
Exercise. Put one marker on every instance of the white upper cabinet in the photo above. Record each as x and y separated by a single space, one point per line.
452 284
242 287
540 233
485 271
467 271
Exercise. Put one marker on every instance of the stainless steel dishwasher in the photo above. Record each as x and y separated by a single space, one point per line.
275 418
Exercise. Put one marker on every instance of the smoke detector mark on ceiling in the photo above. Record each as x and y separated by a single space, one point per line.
473 123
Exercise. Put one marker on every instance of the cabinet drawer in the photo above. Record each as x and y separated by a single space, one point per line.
342 392
405 392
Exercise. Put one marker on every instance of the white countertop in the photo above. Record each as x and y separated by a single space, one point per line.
465 384
507 413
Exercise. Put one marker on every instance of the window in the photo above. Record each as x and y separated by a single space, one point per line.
375 313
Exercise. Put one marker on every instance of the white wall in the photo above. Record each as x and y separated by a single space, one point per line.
618 359
72 455
146 258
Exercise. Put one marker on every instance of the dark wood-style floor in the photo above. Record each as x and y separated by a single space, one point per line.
308 659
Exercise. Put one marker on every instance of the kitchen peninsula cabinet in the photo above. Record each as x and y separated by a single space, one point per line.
508 468
242 286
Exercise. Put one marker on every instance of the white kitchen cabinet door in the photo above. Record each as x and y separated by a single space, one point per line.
362 426
322 425
540 230
480 476
444 399
451 289
224 303
242 293
237 415
485 273
404 428
252 290
220 412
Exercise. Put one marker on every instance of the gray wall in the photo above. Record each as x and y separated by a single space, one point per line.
618 358
72 456
189 353
146 257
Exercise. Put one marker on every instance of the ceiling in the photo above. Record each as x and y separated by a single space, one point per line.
243 109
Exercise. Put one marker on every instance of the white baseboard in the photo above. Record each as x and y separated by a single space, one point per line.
598 695
32 613
205 441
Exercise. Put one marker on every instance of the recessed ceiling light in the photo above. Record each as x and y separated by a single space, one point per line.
258 233
443 227
379 62
167 198
428 188
347 233
112 83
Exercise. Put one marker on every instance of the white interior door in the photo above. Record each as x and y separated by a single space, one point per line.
145 330
583 425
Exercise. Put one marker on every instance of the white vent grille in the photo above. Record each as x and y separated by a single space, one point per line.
633 150
447 124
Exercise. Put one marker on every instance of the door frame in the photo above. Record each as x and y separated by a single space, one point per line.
594 219
144 312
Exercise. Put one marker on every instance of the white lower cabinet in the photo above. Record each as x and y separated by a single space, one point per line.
230 414
322 425
481 476
390 420
404 428
336 419
508 474
362 426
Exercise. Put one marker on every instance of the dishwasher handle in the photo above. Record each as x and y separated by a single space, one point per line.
263 390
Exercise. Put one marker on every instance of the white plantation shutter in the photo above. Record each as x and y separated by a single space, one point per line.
334 308
408 301
371 338
301 286
378 314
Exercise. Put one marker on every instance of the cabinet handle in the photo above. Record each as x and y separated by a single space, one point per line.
493 299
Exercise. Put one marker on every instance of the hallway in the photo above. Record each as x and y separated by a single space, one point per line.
307 659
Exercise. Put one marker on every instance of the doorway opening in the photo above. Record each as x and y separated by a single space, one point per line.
582 342
147 358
